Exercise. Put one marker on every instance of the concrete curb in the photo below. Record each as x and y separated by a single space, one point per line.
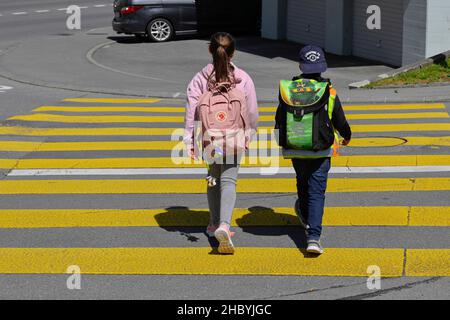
418 65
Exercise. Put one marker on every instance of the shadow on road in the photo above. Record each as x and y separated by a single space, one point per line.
270 49
289 50
259 221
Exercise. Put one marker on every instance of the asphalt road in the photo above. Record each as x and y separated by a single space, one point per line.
138 236
21 20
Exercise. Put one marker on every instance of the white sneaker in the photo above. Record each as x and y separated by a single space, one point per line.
314 247
223 235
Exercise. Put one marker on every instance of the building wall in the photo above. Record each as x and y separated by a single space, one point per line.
411 29
385 44
274 19
414 26
438 27
339 28
306 21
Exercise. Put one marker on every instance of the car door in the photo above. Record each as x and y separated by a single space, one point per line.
184 14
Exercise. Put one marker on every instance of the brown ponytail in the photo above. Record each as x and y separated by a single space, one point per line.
222 48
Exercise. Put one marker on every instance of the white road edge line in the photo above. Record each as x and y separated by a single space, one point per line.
19 13
199 171
42 11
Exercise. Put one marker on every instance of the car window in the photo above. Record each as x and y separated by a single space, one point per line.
178 1
122 3
146 2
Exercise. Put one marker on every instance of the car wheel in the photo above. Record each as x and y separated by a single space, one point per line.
160 30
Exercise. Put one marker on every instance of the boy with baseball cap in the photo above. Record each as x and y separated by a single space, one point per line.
312 167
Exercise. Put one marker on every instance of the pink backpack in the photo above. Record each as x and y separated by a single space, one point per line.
225 121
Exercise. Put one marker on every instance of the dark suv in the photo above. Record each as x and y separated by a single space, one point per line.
161 20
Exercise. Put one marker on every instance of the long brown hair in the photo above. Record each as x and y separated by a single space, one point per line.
222 48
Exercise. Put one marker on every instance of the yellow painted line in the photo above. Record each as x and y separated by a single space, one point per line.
405 127
379 107
42 117
110 109
410 141
200 261
32 146
114 100
130 163
84 132
421 115
380 116
22 146
191 186
430 216
261 109
334 216
428 262
136 131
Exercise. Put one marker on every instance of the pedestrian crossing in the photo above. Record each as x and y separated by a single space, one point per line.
252 217
248 162
75 133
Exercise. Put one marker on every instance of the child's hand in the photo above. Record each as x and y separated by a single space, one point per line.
345 142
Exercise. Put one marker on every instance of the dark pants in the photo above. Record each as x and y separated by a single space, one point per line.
312 177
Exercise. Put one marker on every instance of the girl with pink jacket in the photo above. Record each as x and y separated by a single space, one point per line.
221 196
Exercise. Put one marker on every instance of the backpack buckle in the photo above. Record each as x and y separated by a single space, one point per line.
299 113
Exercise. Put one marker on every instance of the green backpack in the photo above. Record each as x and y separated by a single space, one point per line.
306 107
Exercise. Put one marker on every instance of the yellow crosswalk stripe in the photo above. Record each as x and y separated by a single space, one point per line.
404 127
200 261
110 109
257 216
191 186
32 146
379 107
429 216
136 131
421 115
428 262
84 132
43 117
163 109
130 163
111 100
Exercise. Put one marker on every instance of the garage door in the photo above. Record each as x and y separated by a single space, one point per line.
382 45
306 21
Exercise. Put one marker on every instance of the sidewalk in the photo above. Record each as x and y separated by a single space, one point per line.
103 63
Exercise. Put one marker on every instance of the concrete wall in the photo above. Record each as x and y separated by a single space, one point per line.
339 27
414 30
274 19
438 27
425 27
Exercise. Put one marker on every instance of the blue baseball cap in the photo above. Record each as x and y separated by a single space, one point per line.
312 60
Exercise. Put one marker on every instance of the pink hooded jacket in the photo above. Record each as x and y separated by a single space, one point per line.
199 85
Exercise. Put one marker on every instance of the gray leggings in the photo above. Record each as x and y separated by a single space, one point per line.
222 197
